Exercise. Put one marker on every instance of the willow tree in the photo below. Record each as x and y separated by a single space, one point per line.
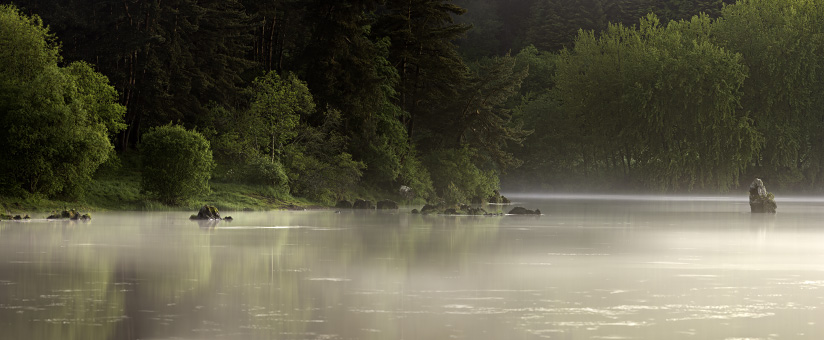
662 101
782 42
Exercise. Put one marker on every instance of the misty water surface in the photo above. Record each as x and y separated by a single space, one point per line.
647 268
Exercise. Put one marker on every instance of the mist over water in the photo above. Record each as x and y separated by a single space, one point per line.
591 267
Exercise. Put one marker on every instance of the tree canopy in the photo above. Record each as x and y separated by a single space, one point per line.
57 120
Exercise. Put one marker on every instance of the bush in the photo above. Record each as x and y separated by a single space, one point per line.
176 164
262 170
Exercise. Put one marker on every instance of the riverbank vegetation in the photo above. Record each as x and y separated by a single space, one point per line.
335 100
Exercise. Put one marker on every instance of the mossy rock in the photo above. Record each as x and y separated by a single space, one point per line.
206 212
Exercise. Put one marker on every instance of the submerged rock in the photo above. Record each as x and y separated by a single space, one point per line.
206 212
524 211
387 204
761 201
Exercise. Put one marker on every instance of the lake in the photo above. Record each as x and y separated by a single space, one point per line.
606 267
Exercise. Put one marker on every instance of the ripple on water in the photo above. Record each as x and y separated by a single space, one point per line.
329 279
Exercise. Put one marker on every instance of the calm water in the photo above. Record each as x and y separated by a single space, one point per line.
587 269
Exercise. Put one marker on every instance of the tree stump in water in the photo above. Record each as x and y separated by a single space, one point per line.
761 201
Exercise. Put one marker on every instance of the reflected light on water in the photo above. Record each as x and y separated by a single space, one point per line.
592 267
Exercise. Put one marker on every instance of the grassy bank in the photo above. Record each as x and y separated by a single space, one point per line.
121 192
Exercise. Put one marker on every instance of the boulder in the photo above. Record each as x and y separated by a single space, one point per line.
761 201
344 204
415 211
387 204
363 204
524 211
206 212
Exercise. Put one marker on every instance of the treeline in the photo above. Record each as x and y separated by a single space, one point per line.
500 26
701 104
317 98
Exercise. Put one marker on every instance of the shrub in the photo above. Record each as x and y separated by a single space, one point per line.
176 164
262 170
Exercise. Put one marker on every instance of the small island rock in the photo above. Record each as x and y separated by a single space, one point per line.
524 211
206 212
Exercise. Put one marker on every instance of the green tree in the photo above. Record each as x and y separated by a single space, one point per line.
661 103
176 164
57 121
782 43
280 103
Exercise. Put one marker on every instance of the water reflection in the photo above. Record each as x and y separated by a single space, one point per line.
277 275
587 269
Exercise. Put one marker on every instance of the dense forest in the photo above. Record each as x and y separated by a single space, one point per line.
450 98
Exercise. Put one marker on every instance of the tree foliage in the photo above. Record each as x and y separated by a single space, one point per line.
57 121
176 164
661 101
782 43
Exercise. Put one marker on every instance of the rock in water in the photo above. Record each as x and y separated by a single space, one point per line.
207 212
524 211
761 201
